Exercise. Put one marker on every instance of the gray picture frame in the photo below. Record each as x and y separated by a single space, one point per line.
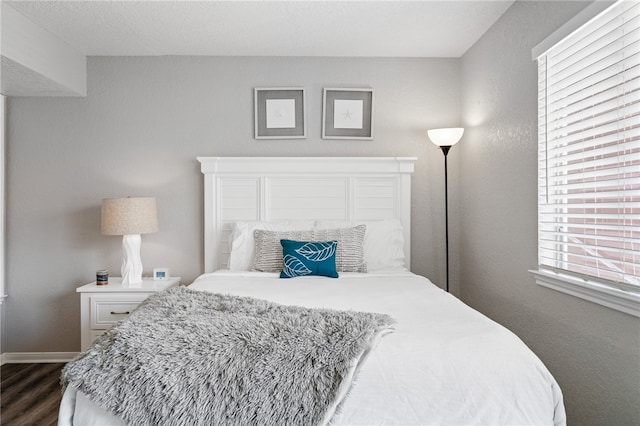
279 113
347 113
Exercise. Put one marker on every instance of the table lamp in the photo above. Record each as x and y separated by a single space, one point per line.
130 217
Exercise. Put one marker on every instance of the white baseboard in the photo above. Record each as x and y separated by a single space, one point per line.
36 357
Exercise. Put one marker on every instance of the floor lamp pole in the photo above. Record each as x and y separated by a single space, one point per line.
445 151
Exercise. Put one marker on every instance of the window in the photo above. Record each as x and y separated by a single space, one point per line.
589 160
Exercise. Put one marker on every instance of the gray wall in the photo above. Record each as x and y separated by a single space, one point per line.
594 352
138 133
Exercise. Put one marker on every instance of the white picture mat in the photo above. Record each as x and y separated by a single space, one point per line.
347 114
281 113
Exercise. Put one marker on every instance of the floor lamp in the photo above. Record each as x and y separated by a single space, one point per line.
445 139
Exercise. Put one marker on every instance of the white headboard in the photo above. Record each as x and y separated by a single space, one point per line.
294 188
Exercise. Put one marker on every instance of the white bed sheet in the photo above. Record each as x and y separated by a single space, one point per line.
445 364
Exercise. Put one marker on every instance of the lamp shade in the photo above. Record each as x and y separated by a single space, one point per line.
446 137
128 216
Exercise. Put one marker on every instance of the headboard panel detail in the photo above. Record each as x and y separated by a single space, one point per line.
293 188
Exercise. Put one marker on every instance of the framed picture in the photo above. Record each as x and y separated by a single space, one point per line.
279 113
347 114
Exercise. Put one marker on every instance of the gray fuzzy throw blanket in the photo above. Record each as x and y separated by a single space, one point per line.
187 357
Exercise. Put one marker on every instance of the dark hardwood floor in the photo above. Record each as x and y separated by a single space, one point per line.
30 394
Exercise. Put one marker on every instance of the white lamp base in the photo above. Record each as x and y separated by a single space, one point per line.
131 263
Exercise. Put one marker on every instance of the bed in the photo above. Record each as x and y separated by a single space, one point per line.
440 362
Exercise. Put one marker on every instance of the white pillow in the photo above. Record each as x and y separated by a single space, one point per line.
383 242
243 242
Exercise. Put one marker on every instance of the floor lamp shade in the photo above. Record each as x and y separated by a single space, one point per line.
130 217
446 137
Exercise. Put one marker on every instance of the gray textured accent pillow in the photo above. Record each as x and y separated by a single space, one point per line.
350 250
349 253
268 251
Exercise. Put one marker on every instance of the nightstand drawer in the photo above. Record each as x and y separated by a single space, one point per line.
94 334
108 310
108 313
102 306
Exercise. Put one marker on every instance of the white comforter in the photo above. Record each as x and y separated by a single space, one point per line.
445 364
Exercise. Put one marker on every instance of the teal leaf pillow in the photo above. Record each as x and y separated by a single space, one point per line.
302 258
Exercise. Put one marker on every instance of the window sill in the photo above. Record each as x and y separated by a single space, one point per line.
592 291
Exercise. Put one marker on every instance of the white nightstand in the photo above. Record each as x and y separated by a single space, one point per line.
101 306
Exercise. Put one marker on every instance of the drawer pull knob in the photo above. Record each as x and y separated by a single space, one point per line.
120 313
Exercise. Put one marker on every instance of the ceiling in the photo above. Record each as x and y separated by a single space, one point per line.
266 28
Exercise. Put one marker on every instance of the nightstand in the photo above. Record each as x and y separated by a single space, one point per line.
101 306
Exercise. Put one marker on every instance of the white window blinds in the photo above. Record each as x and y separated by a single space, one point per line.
589 150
